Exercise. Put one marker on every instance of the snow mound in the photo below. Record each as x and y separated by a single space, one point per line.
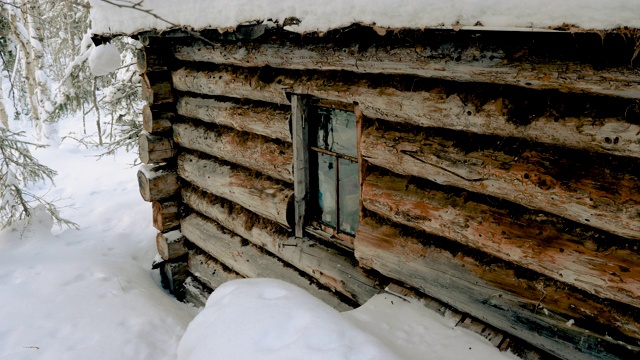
252 319
104 59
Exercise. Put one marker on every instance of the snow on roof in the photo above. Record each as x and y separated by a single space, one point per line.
332 14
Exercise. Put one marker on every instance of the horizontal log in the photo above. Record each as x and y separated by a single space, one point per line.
155 149
166 215
209 270
597 263
330 267
430 107
156 121
579 186
255 152
157 182
156 88
472 66
261 195
247 259
496 294
268 120
195 293
170 244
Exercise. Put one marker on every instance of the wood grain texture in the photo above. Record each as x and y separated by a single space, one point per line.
593 262
330 267
268 120
300 131
496 294
156 88
598 191
472 65
261 195
166 215
155 121
259 153
157 182
170 244
209 270
154 149
247 259
431 107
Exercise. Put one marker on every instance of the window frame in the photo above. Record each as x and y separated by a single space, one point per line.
301 130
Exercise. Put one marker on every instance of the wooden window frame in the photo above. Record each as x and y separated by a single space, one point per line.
301 130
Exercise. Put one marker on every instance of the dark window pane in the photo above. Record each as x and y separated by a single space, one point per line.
337 131
349 204
327 189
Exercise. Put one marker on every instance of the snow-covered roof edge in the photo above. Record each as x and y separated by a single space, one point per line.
316 16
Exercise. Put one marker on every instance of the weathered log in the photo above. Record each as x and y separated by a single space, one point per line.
155 121
572 184
247 259
170 244
156 88
209 270
155 149
595 262
498 294
430 107
157 182
415 60
152 58
166 215
328 266
252 151
261 195
267 120
172 276
300 131
195 292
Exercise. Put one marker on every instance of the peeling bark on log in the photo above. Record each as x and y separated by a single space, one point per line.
247 259
497 295
432 108
564 182
328 266
255 152
170 245
601 265
155 121
195 292
166 215
271 121
209 270
263 196
488 67
156 88
155 149
157 183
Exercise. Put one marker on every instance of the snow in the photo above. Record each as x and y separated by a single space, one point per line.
104 59
90 293
269 319
331 14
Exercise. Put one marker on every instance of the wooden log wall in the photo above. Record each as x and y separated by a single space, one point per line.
500 173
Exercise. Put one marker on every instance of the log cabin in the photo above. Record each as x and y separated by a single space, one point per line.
491 173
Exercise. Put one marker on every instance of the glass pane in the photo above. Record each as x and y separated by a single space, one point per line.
337 131
327 189
349 196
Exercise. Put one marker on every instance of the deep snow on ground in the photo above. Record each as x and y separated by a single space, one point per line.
90 293
331 14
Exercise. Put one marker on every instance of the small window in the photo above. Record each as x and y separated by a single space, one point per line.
334 183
